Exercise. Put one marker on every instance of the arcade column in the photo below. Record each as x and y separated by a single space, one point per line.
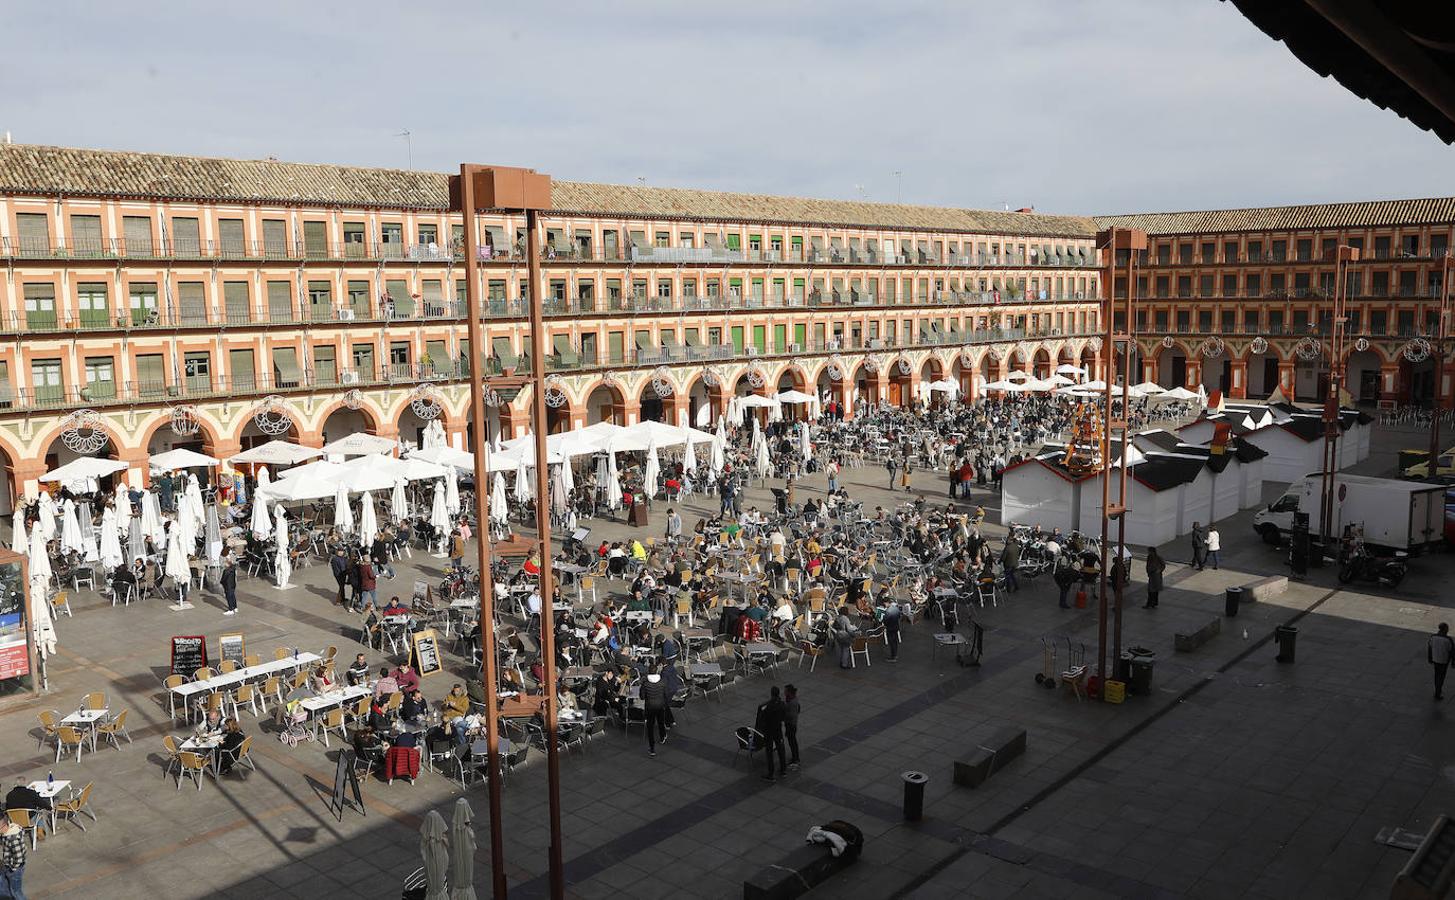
136 461
1238 379
25 476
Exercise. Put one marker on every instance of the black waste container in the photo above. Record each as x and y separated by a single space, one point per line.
1232 599
914 795
1140 682
1287 637
1124 667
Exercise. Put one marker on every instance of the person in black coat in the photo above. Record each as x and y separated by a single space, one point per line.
769 724
229 583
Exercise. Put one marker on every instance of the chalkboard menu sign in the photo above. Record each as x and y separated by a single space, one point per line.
189 653
427 653
230 646
345 778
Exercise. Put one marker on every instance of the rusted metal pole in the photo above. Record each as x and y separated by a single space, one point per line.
1442 334
543 533
482 530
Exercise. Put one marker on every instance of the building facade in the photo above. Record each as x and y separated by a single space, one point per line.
158 301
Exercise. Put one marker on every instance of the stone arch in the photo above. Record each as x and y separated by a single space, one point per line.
797 378
208 439
742 386
704 404
652 407
51 453
1041 364
368 414
247 434
605 402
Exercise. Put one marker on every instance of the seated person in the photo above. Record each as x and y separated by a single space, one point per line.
532 567
757 612
415 708
386 684
22 797
475 691
323 678
455 707
228 750
358 672
395 607
378 716
366 742
211 725
407 678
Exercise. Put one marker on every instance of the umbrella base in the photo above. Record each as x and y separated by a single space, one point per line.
181 607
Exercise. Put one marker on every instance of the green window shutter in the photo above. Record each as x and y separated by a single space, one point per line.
235 302
280 301
34 232
800 334
275 239
325 364
151 375
615 347
186 237
285 367
760 337
439 358
737 335
230 236
780 338
91 298
734 242
320 300
40 307
192 302
399 293
359 298
315 239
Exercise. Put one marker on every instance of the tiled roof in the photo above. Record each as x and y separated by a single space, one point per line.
1290 218
33 169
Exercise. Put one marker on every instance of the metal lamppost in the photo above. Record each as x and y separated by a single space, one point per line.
502 187
1438 346
1342 255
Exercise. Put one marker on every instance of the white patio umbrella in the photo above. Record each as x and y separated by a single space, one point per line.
152 524
523 492
559 494
40 560
47 518
368 520
194 501
462 852
259 523
439 517
760 461
689 458
176 567
40 576
652 472
343 514
135 542
613 483
111 555
715 455
499 510
399 502
452 490
281 564
70 527
805 444
434 435
263 478
19 540
435 848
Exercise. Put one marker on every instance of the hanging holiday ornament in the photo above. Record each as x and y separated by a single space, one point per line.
425 401
1308 349
555 393
1361 344
353 398
835 369
83 432
1167 342
1259 345
1095 345
1417 350
710 377
756 378
184 420
1212 347
662 382
272 417
871 365
904 367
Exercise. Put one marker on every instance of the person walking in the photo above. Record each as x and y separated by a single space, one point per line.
229 584
368 591
1010 558
891 635
1065 575
1155 567
907 471
654 700
1440 651
12 859
833 471
769 724
339 566
892 464
1214 544
790 724
457 550
844 632
1199 546
674 526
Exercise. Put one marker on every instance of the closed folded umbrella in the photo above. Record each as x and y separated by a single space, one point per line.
568 477
281 563
122 499
40 575
462 852
135 542
40 559
613 483
558 489
499 509
19 540
452 490
151 518
70 527
176 567
689 458
262 477
652 472
194 501
368 520
760 461
213 536
434 846
47 516
259 523
523 492
439 517
399 502
111 555
343 514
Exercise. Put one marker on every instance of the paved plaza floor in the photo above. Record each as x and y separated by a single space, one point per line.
1236 777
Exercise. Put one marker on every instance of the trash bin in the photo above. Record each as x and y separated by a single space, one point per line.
914 795
1287 637
1140 682
1232 599
1123 671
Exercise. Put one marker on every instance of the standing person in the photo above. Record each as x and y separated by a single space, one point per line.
1010 558
1065 575
891 636
769 724
229 584
790 724
674 526
166 487
1440 651
1214 545
1199 546
833 469
12 859
1155 567
368 591
339 566
654 699
457 550
906 471
892 464
954 481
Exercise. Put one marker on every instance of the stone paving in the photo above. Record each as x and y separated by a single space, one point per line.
1237 776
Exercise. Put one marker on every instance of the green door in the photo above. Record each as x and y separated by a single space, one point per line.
780 338
737 339
760 337
800 334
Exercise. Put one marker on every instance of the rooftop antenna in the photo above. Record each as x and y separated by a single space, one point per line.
408 147
642 180
899 190
860 189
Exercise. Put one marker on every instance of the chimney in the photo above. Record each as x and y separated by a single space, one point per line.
7 136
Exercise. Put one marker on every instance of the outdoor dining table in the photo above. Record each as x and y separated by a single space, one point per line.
635 616
947 639
87 719
571 569
315 705
226 680
705 669
206 746
742 580
49 790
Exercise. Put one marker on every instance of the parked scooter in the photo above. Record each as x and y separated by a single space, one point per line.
1361 566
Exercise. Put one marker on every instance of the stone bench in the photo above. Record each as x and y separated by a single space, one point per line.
1186 643
1265 588
796 874
990 756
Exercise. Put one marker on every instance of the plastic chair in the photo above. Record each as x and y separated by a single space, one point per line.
192 765
859 645
66 736
750 741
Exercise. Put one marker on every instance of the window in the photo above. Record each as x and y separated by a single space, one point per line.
1378 321
192 302
151 375
198 370
186 236
359 298
285 367
662 239
1255 251
230 236
45 380
1205 286
34 234
325 364
399 356
1184 285
686 239
1379 284
1230 286
1164 286
1253 286
1230 251
1209 251
242 370
363 358
280 301
1184 252
235 302
40 307
315 240
91 302
320 300
1304 249
142 297
1250 321
1381 247
100 378
275 239
429 234
392 236
1280 251
138 231
86 236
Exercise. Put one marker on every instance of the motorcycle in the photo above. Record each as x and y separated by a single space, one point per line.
1385 570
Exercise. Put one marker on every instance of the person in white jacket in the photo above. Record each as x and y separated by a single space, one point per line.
1214 544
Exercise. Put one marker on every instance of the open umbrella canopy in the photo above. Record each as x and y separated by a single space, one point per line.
1151 387
1011 386
319 468
444 456
359 444
665 435
755 401
794 397
182 458
1068 369
1177 393
945 385
368 520
391 468
276 453
83 468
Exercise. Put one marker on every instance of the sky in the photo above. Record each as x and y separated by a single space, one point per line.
1067 106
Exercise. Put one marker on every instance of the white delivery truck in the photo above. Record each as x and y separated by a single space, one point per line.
1395 515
